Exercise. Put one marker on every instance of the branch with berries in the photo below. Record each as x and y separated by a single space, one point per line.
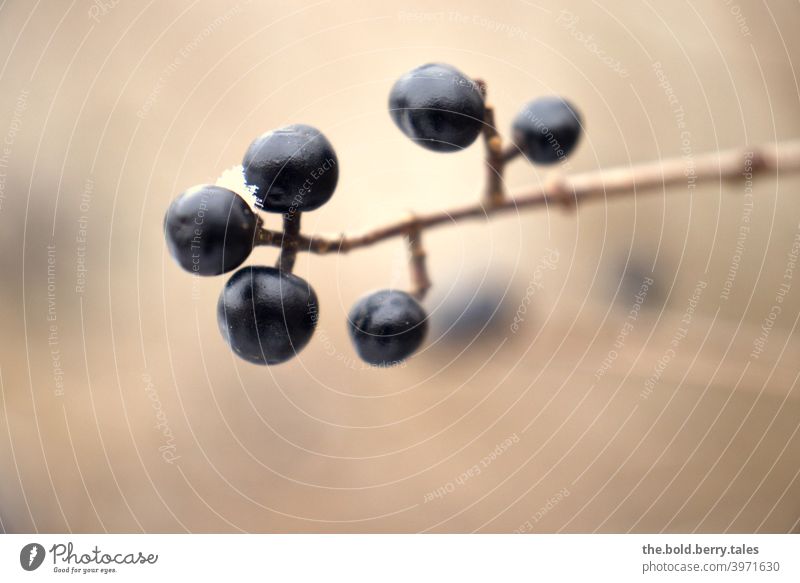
268 314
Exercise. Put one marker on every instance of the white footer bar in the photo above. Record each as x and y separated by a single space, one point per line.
401 558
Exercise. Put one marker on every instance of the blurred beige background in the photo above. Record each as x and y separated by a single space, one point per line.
123 410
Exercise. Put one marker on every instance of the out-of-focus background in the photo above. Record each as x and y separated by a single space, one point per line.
629 366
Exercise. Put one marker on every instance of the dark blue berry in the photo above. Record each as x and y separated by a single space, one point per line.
387 327
267 316
438 107
209 230
547 129
293 168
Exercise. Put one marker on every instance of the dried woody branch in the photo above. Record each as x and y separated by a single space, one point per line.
565 191
288 240
420 282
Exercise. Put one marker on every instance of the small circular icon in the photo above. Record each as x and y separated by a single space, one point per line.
31 556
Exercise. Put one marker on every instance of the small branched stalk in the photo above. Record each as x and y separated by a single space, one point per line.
289 241
562 190
420 282
211 229
493 144
726 165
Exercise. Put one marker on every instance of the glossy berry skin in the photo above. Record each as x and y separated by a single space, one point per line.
209 230
547 129
387 327
293 168
267 316
438 107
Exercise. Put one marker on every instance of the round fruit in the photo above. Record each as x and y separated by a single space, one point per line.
293 168
438 107
547 129
387 326
267 316
209 230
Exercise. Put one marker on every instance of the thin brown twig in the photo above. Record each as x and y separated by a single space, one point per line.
495 189
599 186
420 281
493 144
289 241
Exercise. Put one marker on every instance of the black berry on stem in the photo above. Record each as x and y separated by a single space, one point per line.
210 230
293 169
547 129
438 107
387 327
267 316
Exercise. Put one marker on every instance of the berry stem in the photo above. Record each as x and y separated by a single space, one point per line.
289 241
265 236
495 191
420 281
495 160
652 177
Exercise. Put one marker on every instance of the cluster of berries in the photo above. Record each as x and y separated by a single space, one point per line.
267 315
